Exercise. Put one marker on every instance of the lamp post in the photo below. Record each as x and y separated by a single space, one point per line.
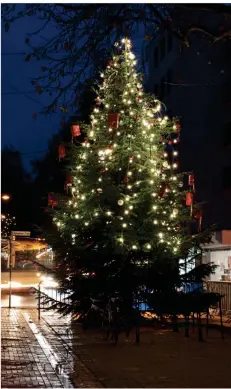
6 197
39 296
12 238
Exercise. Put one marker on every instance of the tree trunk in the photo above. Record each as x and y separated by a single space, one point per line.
200 334
207 321
175 323
222 328
186 326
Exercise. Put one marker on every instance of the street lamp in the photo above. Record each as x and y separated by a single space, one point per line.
5 197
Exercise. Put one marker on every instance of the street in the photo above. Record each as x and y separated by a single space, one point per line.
23 277
22 296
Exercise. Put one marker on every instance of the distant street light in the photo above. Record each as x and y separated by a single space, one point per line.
5 197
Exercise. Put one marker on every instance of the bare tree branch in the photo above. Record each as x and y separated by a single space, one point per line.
86 33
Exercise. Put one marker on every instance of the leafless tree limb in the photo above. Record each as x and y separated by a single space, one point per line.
85 33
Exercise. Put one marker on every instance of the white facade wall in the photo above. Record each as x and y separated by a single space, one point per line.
221 258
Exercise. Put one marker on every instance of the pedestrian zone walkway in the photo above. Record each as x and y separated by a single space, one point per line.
34 355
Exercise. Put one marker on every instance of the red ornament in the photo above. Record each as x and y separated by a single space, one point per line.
75 131
189 199
163 190
198 215
52 200
61 151
113 120
191 180
68 182
97 101
170 142
126 179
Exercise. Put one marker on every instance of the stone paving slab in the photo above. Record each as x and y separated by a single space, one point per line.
37 355
59 328
24 361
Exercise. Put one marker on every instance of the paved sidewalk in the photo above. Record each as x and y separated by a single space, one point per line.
27 360
33 356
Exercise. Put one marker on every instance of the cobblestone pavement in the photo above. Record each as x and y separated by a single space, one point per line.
36 356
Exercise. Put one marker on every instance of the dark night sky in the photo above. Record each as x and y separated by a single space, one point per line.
19 129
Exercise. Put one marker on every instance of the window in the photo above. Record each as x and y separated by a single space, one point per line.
169 42
156 89
227 134
226 177
162 88
162 48
156 59
169 81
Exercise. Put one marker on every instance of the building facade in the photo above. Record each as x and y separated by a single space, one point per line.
195 84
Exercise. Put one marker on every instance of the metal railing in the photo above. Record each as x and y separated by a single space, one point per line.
45 293
224 289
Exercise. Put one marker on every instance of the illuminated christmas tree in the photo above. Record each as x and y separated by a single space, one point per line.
126 210
7 225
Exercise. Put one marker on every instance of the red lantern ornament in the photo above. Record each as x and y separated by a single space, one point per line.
189 199
198 215
191 181
113 120
97 101
75 131
126 179
52 200
61 151
68 182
